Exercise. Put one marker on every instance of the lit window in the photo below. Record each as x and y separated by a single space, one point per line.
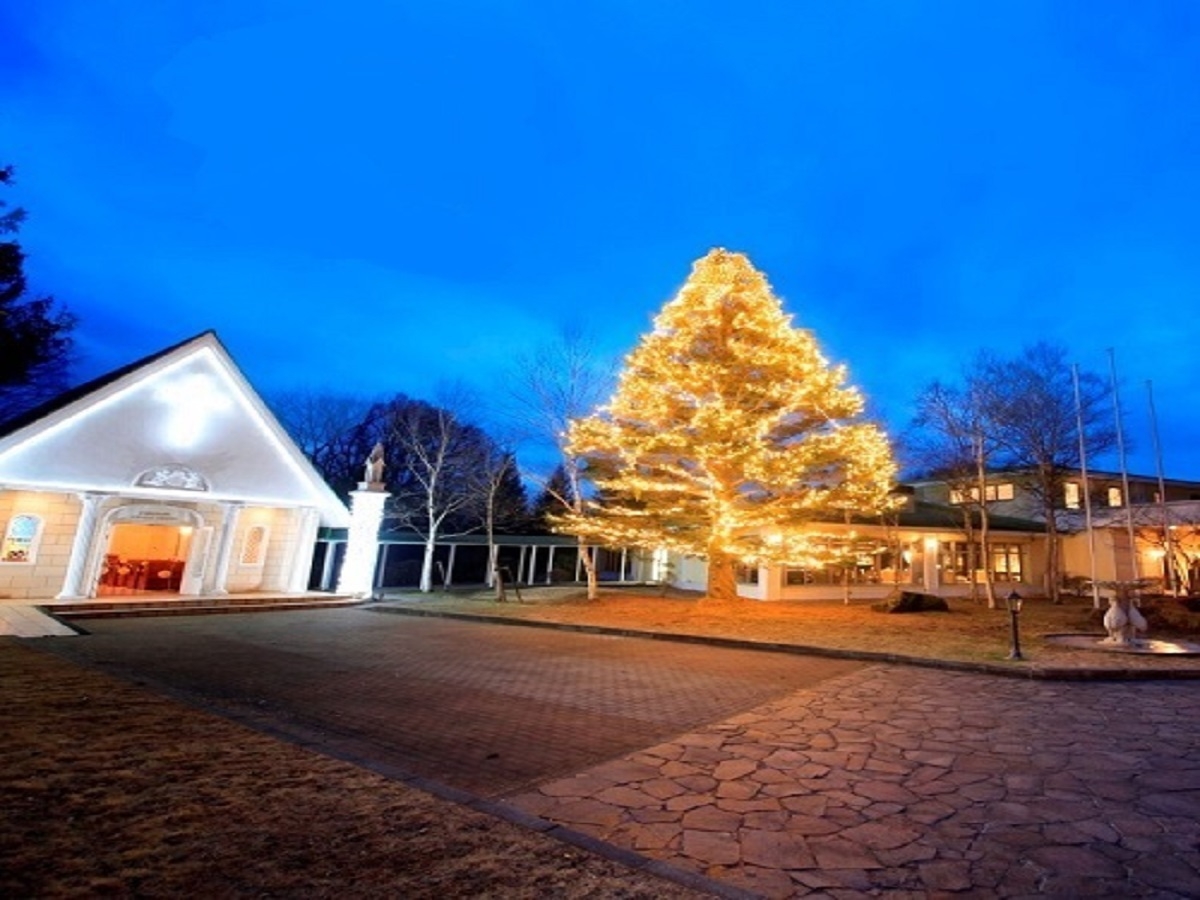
796 577
746 574
959 560
1114 496
20 540
254 546
1006 562
991 493
1071 495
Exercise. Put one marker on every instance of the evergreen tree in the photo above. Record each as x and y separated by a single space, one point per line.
510 500
35 341
553 499
728 430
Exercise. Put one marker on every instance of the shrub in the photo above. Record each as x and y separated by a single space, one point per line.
911 601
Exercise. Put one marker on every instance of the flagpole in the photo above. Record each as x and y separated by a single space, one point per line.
1087 494
1162 492
1112 365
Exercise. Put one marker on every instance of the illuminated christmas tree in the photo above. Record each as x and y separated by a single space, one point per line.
728 433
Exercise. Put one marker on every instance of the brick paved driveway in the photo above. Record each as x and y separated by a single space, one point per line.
486 708
762 770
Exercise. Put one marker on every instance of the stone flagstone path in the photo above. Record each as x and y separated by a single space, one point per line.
914 782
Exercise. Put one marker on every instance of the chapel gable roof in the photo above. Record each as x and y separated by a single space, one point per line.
182 422
71 395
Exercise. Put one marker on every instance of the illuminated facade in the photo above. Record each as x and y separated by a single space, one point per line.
1011 493
919 547
169 475
1160 515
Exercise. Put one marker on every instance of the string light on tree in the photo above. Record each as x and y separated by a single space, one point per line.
728 426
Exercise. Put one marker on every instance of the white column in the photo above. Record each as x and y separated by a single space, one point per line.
550 564
450 566
381 565
380 569
932 550
327 565
624 560
532 570
85 529
220 570
302 553
362 545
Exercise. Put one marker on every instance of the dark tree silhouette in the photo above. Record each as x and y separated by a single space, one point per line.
35 341
511 502
333 430
550 502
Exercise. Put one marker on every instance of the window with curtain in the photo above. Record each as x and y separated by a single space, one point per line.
254 545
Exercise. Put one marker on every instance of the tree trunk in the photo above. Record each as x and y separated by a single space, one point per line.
989 586
586 555
969 533
722 583
427 565
1052 563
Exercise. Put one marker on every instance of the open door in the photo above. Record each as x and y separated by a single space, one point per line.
193 572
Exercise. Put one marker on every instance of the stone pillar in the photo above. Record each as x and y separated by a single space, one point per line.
225 548
362 545
81 545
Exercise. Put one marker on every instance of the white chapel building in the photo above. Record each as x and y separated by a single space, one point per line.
168 475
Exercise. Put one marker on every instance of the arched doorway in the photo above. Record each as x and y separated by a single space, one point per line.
150 549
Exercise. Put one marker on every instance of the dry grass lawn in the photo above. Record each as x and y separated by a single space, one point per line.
109 790
969 632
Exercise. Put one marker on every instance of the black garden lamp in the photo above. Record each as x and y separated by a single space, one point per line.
1013 601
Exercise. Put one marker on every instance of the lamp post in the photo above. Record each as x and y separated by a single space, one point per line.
1013 602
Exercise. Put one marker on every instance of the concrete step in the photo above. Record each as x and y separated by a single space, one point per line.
193 606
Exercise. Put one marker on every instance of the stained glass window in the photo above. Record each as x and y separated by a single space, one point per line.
20 540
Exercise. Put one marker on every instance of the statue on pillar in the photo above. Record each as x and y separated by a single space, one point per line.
373 475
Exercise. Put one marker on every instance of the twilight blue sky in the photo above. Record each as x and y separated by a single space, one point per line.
376 196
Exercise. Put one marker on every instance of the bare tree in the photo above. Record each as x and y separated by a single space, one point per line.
333 430
1175 539
435 458
560 381
1031 407
496 481
955 443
